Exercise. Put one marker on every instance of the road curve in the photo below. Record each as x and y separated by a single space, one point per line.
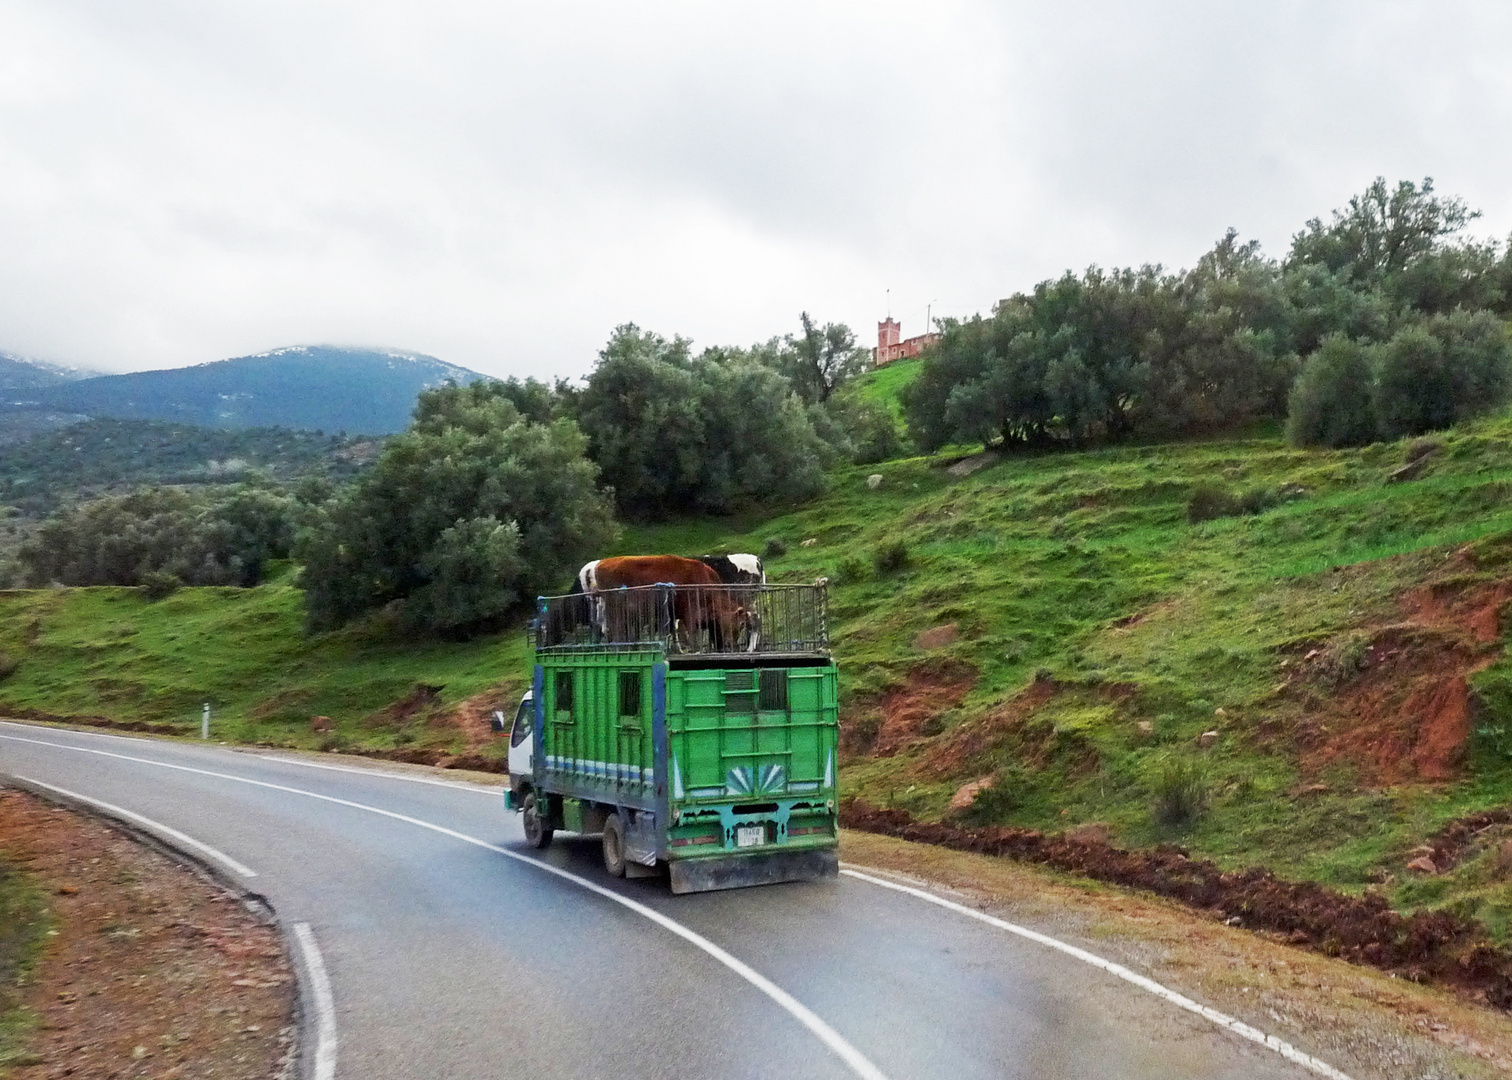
452 951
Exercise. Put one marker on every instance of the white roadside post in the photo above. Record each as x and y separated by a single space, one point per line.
205 722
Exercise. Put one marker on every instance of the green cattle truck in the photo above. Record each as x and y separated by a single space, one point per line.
693 726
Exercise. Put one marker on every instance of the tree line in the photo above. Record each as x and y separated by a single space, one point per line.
498 489
1386 320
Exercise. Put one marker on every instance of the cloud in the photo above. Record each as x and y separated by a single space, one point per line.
500 185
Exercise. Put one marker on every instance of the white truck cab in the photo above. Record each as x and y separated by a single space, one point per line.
522 739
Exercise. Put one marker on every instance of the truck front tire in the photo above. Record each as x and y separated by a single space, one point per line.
614 846
537 832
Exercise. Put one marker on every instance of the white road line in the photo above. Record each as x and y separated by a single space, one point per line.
155 826
831 1038
325 1006
1238 1027
492 792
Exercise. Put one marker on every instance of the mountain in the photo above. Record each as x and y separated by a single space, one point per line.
309 387
23 373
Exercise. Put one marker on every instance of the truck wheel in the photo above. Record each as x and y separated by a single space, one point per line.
537 832
614 846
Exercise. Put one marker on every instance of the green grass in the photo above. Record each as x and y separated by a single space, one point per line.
23 925
1081 567
884 385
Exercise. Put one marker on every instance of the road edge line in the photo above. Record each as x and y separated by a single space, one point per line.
156 827
323 1060
1223 1020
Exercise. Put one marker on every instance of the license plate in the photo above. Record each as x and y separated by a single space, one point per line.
750 835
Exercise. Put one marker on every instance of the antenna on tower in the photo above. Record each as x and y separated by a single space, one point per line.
889 303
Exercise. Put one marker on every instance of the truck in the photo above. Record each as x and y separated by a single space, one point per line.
707 755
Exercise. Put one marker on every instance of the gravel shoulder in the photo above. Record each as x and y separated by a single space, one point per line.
1359 1020
148 969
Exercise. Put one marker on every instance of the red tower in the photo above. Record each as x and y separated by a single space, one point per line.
888 333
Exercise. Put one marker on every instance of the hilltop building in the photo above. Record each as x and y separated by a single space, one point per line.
890 347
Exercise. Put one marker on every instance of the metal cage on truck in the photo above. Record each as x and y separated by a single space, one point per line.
695 726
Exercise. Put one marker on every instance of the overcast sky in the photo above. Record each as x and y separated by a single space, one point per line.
501 184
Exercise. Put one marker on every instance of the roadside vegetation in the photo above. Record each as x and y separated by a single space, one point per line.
23 925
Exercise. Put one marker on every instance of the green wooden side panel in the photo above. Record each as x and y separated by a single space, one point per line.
589 743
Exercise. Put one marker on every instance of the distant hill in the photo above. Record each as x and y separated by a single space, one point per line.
103 456
309 387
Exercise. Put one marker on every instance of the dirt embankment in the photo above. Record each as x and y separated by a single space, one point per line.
1431 947
151 970
1392 701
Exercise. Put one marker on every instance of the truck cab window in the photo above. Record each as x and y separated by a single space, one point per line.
524 721
563 689
629 693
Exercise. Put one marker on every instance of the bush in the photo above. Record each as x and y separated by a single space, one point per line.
997 802
159 584
467 515
1209 502
1181 793
222 538
774 548
1442 370
8 665
890 557
1331 401
850 570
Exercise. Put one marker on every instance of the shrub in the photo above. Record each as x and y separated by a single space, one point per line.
997 802
851 570
159 584
774 548
8 665
890 557
1181 793
1209 502
1440 371
1331 401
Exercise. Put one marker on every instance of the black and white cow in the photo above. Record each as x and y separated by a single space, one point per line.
737 569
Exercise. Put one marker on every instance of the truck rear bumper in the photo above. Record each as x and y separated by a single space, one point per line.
738 871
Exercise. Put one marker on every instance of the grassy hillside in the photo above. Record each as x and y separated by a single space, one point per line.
1343 647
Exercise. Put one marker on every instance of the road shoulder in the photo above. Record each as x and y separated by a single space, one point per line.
149 969
1360 1020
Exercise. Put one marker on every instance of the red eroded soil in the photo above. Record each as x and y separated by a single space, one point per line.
929 690
955 751
1405 714
1426 946
153 970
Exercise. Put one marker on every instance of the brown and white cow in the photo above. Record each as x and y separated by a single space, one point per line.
701 603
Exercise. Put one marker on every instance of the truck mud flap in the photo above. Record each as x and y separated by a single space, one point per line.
739 871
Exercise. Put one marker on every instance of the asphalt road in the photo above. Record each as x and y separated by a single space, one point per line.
452 952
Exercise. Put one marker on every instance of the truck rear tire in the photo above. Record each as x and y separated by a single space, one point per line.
614 846
537 832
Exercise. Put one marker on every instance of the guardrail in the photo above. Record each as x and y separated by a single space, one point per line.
688 619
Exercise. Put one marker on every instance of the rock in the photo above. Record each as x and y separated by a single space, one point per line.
810 542
967 466
1423 865
1313 789
966 794
938 637
320 723
1410 471
1220 711
1207 739
1146 728
874 481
